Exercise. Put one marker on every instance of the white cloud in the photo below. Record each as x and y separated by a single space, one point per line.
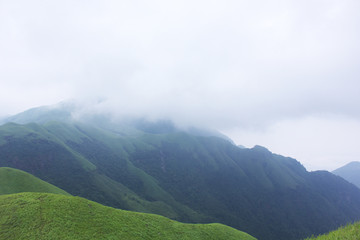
222 64
319 142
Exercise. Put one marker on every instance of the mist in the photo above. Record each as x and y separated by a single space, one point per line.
283 74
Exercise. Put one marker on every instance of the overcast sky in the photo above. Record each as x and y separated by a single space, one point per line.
282 74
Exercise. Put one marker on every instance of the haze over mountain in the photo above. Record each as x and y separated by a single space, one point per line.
281 74
154 166
350 172
164 94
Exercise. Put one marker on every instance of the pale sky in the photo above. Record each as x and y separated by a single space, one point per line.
281 74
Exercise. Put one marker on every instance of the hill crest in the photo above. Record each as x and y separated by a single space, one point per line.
50 216
17 181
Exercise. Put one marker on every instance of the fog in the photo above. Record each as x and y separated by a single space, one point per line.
282 74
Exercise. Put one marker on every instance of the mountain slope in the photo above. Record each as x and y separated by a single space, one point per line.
49 216
180 175
350 172
37 150
16 181
248 188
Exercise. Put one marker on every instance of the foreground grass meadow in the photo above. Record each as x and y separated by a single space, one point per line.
41 216
349 232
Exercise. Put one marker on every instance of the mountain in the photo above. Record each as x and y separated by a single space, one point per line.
349 232
350 172
16 181
68 111
156 167
47 152
60 112
51 216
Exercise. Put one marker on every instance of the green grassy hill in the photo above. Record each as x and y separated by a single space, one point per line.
51 216
16 181
350 232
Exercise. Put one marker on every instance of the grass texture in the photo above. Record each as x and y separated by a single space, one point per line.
54 216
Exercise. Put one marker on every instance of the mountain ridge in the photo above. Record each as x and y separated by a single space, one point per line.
350 172
183 176
17 181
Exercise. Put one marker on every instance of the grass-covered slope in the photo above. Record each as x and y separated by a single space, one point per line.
48 216
16 181
349 232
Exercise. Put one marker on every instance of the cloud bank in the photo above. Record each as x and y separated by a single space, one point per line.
239 66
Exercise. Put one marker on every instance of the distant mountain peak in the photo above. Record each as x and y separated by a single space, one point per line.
261 148
92 113
350 172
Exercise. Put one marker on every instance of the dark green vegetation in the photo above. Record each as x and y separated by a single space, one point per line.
49 216
16 181
190 176
350 172
350 232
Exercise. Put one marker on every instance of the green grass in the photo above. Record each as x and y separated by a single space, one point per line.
53 216
16 181
349 232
